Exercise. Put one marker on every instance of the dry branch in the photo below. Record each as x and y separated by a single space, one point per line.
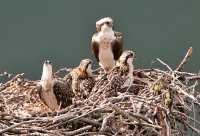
185 59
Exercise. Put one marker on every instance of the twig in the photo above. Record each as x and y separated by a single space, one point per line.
193 106
197 77
83 115
133 117
63 69
19 124
185 59
90 121
13 79
162 62
197 131
80 130
104 125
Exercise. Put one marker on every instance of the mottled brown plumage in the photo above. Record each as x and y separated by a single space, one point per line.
111 83
54 92
63 93
82 79
122 75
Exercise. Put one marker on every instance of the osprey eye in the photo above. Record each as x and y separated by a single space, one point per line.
107 23
47 62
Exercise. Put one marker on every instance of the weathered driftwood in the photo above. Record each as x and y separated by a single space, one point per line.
159 102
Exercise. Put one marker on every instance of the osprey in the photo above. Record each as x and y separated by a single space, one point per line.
54 92
82 79
125 63
123 72
121 75
106 44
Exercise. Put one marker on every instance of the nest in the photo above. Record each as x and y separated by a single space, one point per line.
158 102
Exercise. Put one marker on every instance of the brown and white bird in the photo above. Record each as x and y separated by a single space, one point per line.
120 76
82 79
106 44
125 63
124 67
54 92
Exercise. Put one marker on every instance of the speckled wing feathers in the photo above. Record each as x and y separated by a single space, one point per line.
63 93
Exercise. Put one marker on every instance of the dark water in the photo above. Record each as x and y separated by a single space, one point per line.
31 31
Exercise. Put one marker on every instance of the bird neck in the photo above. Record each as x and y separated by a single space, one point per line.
89 72
106 29
130 67
85 72
47 74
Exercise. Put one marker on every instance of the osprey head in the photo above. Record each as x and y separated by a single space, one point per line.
47 70
47 62
86 65
127 57
104 24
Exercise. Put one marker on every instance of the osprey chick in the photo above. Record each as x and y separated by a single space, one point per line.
106 44
54 92
82 79
125 63
111 83
122 74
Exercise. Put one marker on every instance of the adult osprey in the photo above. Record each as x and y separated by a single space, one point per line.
106 44
54 92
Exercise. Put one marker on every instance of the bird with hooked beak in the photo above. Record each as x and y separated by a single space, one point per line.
106 44
82 79
120 76
125 64
54 92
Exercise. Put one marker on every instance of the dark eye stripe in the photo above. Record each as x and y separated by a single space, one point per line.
89 62
130 55
108 23
87 65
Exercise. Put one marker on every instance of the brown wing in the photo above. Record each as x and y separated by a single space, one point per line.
47 97
63 93
86 86
117 45
95 48
39 90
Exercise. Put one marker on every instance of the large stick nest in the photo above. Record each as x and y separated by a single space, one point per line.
159 102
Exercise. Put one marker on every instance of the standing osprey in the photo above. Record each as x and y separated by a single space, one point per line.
106 44
54 92
82 79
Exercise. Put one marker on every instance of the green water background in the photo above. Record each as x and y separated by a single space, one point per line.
61 30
